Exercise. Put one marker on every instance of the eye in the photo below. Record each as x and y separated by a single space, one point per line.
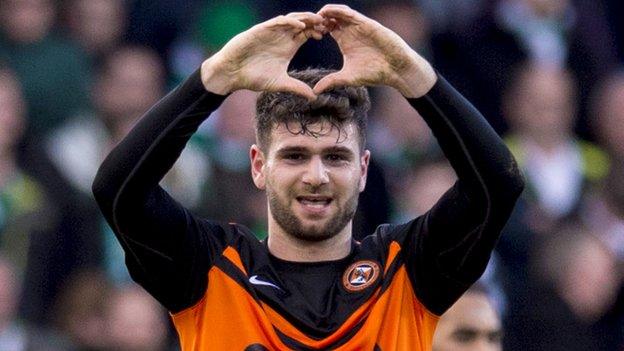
294 157
495 337
337 158
465 336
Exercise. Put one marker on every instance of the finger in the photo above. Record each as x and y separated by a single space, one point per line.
297 87
330 24
309 18
341 12
330 81
321 29
303 36
316 34
283 21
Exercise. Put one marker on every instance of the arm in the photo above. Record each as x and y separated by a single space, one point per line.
448 248
459 233
168 250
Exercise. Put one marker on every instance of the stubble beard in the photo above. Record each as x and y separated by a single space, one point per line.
293 226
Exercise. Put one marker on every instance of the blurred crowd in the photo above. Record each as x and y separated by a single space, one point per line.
75 75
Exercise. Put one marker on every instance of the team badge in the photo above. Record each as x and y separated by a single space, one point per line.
360 275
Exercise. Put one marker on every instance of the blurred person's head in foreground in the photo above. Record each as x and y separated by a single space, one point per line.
581 270
135 321
98 25
12 112
471 324
607 108
26 21
129 82
540 103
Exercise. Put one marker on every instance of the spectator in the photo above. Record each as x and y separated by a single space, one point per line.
559 169
98 26
228 138
539 106
23 207
557 33
603 209
129 82
471 324
608 113
53 71
572 291
80 311
135 321
14 335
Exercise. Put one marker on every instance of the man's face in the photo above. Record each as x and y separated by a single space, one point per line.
312 183
471 324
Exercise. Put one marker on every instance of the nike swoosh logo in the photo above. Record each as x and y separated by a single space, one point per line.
254 280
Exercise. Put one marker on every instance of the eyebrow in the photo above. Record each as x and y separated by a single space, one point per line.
332 149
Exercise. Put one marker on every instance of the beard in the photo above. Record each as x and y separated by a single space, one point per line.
291 224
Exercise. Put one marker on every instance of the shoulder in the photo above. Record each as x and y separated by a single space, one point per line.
389 237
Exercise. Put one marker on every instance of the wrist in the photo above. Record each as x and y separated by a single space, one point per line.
418 79
214 78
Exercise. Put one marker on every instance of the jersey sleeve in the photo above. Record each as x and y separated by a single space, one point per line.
450 246
168 250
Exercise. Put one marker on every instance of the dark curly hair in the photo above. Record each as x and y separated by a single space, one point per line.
339 106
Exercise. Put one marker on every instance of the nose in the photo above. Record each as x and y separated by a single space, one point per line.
316 172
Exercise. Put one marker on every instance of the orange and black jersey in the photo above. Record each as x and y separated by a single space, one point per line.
227 292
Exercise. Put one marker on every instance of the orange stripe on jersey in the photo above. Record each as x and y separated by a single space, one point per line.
231 254
227 318
393 251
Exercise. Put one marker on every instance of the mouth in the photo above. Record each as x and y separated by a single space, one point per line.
314 203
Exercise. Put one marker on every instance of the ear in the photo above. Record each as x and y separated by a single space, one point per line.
364 160
258 162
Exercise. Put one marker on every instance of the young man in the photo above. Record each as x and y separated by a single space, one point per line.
309 286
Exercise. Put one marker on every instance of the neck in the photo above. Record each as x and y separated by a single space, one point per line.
286 247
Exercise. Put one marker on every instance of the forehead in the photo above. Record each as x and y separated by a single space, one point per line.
317 136
473 311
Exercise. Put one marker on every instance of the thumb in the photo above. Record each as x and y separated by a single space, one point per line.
330 81
297 87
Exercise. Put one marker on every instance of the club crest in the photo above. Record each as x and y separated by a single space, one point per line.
360 275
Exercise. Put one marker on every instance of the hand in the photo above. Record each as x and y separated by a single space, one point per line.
258 58
373 55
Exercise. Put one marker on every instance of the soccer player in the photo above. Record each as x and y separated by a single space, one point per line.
309 285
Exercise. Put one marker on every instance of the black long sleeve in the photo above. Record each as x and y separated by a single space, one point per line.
458 234
164 251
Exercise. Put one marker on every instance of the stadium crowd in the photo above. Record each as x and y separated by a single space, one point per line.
75 75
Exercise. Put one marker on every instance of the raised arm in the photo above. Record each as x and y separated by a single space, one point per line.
448 248
167 248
